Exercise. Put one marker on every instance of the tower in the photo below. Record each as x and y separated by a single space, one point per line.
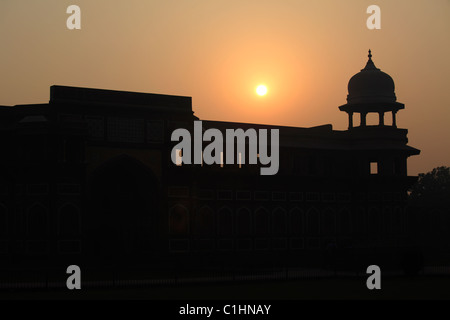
383 148
371 91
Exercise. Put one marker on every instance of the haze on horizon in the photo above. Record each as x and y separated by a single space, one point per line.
217 52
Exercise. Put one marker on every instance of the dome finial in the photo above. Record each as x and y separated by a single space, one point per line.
370 65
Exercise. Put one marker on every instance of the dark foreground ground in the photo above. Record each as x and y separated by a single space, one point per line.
420 287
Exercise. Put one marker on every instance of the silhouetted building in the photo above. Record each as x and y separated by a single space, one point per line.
88 176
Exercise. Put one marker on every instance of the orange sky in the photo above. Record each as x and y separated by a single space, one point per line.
219 51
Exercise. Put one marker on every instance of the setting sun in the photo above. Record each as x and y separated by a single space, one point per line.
261 90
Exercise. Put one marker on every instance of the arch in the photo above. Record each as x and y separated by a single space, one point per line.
374 220
279 221
179 220
69 221
204 221
262 221
387 220
313 221
3 220
123 203
225 221
297 221
359 218
244 221
37 221
328 222
344 221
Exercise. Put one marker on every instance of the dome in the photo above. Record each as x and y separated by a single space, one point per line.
371 85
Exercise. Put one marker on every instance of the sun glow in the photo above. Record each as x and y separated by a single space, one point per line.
261 90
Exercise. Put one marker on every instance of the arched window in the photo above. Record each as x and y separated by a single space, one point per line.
179 220
297 221
204 221
387 220
328 222
279 221
3 221
261 222
225 222
344 221
244 221
359 221
37 221
374 221
312 222
69 221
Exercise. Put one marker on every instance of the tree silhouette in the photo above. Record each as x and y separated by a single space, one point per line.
432 187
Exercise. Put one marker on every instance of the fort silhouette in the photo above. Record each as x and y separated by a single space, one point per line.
87 179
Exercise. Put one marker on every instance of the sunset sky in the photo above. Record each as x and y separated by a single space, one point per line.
218 52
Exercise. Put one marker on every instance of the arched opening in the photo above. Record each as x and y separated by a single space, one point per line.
328 222
225 222
3 221
37 222
204 221
123 208
312 222
279 223
374 221
344 221
387 220
179 220
244 222
296 221
69 221
359 221
262 222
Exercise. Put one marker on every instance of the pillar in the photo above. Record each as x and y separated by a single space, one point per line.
363 119
350 120
394 120
381 114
